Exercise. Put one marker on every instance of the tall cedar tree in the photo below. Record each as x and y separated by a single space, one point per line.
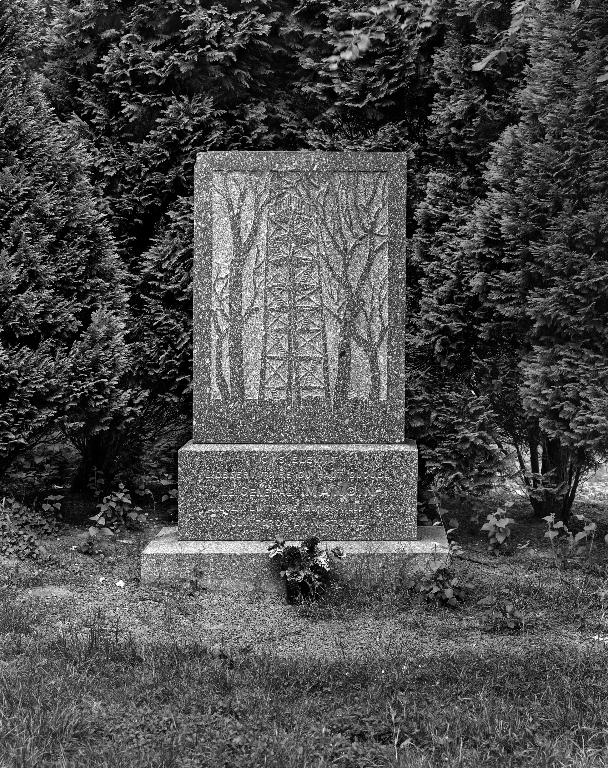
156 82
448 412
58 265
532 263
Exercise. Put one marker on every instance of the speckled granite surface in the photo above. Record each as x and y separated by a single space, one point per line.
332 491
298 385
243 565
299 297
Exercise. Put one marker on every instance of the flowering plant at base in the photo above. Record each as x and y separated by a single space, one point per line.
305 568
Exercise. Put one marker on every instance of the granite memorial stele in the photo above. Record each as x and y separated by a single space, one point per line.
298 381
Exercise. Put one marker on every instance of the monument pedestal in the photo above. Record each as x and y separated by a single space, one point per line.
261 491
234 500
246 565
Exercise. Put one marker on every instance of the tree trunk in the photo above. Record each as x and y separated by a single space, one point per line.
374 370
222 384
235 328
98 456
556 495
342 386
343 372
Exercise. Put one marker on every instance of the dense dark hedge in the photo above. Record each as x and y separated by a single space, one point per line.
59 267
502 108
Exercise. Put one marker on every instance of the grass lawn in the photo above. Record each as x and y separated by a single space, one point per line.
95 674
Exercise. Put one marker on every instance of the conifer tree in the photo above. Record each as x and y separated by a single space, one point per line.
534 258
154 83
163 338
448 410
58 264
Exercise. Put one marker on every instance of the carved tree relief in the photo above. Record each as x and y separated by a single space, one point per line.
353 250
299 287
243 200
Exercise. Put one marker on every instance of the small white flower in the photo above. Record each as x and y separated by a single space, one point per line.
102 578
120 583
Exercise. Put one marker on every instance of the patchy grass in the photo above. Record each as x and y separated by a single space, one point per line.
103 675
105 701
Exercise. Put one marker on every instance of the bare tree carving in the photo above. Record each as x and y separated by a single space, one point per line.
221 323
338 233
294 329
371 332
244 230
353 234
257 284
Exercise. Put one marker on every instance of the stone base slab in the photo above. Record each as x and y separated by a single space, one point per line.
230 565
364 491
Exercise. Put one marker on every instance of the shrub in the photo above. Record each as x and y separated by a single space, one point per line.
116 510
21 526
514 279
148 488
502 615
101 413
565 544
439 586
58 262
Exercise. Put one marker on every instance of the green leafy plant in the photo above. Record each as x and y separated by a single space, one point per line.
36 519
567 545
52 505
305 568
502 615
88 546
146 483
20 529
439 586
498 525
40 467
116 510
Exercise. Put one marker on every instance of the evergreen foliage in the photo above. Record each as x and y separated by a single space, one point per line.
164 330
100 413
503 110
533 263
156 82
58 264
447 407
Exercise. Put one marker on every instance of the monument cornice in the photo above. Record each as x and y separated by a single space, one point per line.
316 161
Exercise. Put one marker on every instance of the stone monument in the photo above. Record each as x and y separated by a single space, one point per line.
299 315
